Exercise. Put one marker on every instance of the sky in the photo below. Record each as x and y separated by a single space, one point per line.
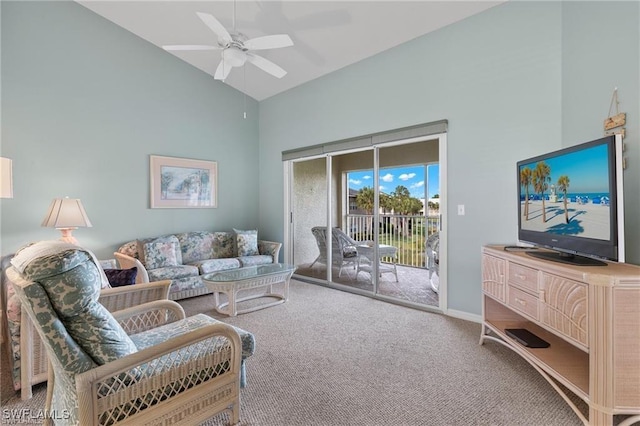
587 169
411 177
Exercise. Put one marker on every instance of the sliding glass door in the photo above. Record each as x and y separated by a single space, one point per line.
369 221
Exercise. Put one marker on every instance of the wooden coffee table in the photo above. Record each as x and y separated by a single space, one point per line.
233 281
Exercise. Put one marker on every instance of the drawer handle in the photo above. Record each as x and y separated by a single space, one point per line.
521 302
521 277
542 296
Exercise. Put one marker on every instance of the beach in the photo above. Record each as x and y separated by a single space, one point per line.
585 220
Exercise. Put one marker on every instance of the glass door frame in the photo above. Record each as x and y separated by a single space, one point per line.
289 217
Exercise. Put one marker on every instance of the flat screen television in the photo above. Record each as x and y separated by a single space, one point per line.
571 201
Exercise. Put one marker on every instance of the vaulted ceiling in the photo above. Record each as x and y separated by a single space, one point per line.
327 35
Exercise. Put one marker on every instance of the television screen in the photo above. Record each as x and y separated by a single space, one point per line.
569 201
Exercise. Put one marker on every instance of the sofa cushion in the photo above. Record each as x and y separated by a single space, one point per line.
188 287
223 245
160 252
173 272
195 246
213 265
121 277
73 293
260 259
246 242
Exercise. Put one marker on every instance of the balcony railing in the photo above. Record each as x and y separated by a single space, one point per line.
408 233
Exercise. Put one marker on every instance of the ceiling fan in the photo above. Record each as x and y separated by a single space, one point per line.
237 49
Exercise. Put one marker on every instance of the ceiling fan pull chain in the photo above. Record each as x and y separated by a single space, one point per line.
244 76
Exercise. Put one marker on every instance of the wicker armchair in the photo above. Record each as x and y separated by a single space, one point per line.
31 354
175 370
343 248
27 355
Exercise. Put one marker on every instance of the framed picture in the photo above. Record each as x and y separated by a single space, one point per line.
183 183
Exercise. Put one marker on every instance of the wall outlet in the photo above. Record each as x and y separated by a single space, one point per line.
460 209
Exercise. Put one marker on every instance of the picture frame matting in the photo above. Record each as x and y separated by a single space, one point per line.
183 183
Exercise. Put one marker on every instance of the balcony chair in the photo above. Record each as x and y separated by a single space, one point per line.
343 248
143 365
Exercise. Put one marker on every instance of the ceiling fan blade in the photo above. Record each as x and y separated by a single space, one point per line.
215 26
190 47
223 70
266 65
269 42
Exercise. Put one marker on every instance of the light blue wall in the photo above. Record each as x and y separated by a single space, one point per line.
84 104
497 77
600 51
494 76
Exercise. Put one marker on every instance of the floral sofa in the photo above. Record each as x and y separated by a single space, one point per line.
183 258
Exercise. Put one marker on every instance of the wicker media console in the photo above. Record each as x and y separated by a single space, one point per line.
590 315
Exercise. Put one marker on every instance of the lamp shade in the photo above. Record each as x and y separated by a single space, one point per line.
6 178
66 213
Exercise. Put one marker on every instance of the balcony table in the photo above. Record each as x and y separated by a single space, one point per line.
367 251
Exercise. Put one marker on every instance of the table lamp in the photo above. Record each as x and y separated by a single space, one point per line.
66 214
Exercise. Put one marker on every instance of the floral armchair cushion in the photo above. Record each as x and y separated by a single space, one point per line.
72 282
73 358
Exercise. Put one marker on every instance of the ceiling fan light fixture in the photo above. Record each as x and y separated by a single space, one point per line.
235 57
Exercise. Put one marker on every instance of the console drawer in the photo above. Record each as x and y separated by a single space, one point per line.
563 307
523 277
523 302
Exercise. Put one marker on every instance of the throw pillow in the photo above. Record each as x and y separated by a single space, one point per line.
247 242
121 277
147 255
223 245
160 254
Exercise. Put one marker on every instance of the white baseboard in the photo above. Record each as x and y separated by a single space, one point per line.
464 315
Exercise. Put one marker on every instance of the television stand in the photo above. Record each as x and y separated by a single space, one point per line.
590 316
570 259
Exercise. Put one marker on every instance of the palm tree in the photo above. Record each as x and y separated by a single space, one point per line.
365 201
404 204
525 181
541 179
563 185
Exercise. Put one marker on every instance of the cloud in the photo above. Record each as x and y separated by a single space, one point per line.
366 177
418 184
406 176
381 188
387 178
355 181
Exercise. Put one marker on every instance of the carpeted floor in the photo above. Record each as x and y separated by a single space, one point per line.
328 357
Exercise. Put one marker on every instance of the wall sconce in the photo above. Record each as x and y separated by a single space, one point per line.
66 214
6 178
